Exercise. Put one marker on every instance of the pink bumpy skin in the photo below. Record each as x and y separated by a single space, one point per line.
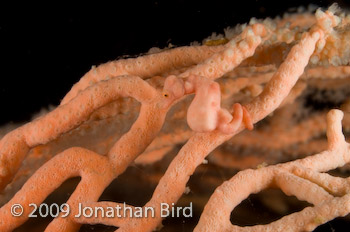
205 113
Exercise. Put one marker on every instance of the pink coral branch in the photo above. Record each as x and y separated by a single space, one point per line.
184 164
196 69
217 212
144 66
15 145
153 112
235 52
71 163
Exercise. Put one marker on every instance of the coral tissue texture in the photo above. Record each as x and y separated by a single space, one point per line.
268 99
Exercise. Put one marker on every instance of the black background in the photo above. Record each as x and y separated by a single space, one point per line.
45 49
